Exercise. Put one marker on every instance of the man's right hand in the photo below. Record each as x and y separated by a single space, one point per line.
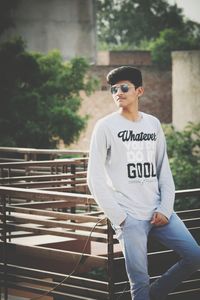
159 219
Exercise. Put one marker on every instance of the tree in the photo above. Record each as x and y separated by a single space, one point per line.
170 40
39 97
131 22
184 157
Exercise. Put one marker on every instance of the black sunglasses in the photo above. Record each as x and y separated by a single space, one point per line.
123 87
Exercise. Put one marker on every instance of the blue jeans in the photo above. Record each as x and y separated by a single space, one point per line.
133 239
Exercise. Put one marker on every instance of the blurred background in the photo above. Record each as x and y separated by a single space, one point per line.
55 54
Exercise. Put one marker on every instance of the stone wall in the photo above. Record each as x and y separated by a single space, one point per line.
140 58
186 87
156 99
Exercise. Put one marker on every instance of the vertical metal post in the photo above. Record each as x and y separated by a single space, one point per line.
73 171
52 170
27 156
33 156
4 283
110 262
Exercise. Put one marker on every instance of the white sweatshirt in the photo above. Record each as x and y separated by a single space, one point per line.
128 170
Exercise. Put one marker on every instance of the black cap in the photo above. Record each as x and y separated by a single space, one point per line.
125 73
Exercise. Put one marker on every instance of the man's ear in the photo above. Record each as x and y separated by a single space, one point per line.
140 91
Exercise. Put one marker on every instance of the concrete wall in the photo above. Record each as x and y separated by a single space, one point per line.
157 98
185 87
140 58
67 25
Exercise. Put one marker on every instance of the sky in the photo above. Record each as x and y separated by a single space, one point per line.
191 8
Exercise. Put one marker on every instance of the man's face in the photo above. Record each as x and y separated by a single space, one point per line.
125 94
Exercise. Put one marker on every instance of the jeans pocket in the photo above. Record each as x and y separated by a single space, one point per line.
125 223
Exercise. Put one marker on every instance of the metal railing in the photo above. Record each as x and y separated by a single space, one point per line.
26 154
39 266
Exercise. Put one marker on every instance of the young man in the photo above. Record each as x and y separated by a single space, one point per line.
130 178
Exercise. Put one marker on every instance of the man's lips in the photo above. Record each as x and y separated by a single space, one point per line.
120 100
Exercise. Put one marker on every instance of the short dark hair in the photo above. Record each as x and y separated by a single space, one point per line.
125 73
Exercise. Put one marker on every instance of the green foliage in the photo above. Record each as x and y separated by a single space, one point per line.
184 156
40 97
130 22
147 25
170 40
